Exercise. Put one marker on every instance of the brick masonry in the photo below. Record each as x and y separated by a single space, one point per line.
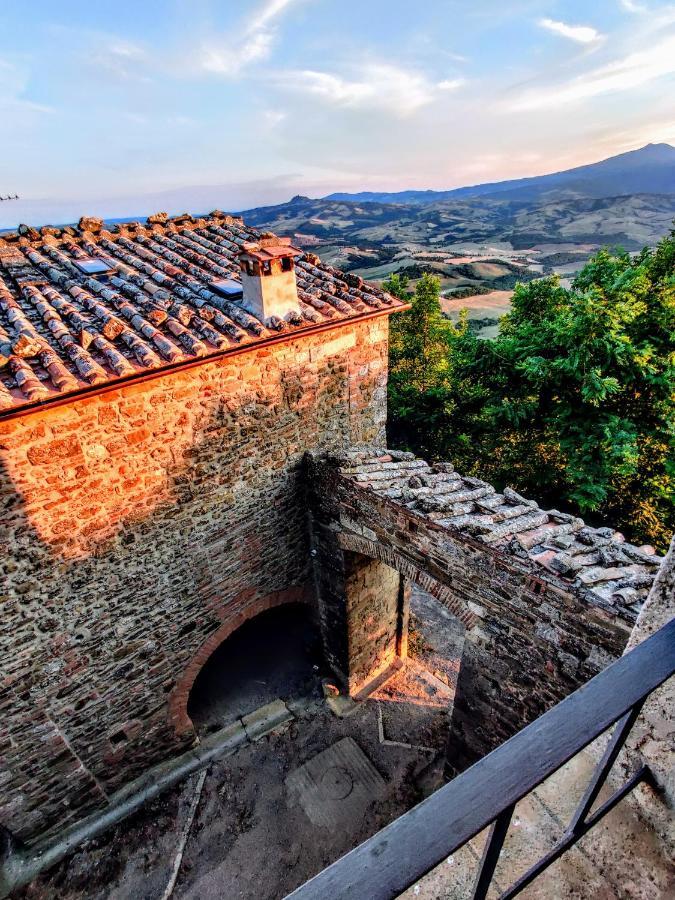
138 528
141 526
531 638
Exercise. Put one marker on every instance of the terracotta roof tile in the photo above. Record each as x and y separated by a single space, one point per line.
596 563
148 303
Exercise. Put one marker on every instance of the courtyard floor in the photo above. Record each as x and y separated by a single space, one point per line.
259 822
282 807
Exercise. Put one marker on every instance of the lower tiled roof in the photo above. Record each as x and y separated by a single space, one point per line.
62 329
597 563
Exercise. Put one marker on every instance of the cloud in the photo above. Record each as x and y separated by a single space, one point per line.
274 117
632 71
181 121
632 7
19 105
126 51
582 34
225 55
231 60
451 84
12 97
269 11
376 86
121 60
250 45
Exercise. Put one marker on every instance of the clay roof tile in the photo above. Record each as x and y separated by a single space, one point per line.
147 302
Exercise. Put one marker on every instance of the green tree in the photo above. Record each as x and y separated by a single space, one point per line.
572 403
420 337
427 396
398 285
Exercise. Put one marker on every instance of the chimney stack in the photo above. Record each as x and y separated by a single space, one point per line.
268 278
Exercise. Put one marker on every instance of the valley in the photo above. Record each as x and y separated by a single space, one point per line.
479 247
482 240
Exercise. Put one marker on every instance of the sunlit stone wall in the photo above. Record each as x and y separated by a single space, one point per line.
139 526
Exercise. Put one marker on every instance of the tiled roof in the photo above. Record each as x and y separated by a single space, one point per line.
597 563
63 328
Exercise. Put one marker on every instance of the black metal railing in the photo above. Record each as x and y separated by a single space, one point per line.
486 794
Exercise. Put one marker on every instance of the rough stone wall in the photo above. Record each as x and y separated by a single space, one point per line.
652 740
367 596
137 524
529 643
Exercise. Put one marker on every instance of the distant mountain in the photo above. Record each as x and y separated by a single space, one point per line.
649 170
631 221
477 245
420 197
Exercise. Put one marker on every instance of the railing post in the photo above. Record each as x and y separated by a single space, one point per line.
603 768
493 848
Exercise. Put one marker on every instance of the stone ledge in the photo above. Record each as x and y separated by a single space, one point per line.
265 719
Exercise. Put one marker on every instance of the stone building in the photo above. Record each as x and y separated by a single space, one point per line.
178 400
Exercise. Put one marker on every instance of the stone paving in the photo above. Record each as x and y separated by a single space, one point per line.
336 787
618 860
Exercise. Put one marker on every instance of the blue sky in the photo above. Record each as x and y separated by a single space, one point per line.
108 104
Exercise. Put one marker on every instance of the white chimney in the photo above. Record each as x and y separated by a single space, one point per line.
268 278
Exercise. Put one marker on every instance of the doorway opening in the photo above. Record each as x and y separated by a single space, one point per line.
276 655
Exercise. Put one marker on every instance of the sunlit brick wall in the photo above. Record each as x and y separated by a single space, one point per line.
137 524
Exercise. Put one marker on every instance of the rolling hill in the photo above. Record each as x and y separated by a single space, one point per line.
481 240
630 221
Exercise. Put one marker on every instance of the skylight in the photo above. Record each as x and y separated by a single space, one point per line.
91 266
228 287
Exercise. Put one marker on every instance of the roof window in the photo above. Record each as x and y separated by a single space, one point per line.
228 288
91 266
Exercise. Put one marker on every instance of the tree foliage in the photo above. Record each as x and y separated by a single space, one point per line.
425 348
573 402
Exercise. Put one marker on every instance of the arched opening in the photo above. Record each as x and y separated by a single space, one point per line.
276 654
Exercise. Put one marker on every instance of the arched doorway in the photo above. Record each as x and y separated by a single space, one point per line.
276 654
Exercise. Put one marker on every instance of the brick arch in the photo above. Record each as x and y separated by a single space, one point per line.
178 699
365 547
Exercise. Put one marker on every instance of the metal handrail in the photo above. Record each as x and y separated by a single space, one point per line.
399 855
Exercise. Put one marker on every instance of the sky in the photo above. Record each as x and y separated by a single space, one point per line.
124 107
